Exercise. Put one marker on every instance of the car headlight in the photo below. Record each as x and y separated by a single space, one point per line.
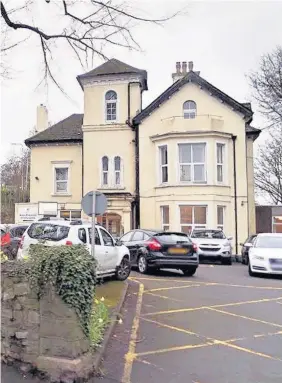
259 257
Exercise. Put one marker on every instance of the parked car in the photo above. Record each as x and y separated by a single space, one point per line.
155 249
246 247
5 239
265 254
213 245
112 258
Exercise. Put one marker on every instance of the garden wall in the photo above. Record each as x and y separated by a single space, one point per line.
46 334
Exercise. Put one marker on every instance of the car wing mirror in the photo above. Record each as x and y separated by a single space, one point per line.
229 238
118 243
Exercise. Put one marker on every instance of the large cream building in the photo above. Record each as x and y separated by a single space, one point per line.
184 161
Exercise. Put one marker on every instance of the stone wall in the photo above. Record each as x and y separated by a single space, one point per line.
46 333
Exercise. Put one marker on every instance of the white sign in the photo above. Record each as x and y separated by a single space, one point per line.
27 214
48 208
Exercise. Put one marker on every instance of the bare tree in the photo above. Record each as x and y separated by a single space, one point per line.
86 27
267 87
268 169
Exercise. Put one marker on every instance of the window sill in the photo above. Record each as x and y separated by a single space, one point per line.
188 184
61 195
111 188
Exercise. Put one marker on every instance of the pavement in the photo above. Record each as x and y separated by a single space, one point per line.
219 326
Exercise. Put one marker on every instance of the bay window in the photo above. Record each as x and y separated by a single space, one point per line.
192 217
165 217
220 148
220 217
192 162
163 164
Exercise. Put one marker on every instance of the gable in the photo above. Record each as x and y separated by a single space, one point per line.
194 78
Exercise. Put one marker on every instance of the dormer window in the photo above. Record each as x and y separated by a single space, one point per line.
189 109
111 106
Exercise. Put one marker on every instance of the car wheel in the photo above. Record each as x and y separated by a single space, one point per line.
123 270
188 272
251 273
142 265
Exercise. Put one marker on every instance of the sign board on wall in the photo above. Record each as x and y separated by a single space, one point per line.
27 213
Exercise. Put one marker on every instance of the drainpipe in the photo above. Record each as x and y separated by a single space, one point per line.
137 178
235 193
82 169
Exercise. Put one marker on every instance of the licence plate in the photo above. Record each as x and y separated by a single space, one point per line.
175 250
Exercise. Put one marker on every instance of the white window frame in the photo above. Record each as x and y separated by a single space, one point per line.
165 226
106 102
218 225
61 165
190 113
161 166
223 164
192 164
111 173
193 225
105 171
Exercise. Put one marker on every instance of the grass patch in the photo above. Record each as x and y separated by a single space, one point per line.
111 292
98 322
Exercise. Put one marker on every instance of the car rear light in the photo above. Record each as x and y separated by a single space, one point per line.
195 247
68 243
153 244
21 242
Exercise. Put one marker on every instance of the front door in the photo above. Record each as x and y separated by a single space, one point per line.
112 223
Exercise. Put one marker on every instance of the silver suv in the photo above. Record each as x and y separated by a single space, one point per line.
213 245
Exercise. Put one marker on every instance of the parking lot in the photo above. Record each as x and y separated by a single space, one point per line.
220 326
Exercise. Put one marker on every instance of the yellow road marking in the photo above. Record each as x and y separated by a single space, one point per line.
245 317
251 287
248 350
132 344
172 327
213 306
170 288
160 279
164 297
179 348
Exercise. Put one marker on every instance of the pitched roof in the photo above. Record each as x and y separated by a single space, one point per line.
114 67
67 130
193 77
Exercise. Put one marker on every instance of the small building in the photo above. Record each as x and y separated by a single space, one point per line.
269 219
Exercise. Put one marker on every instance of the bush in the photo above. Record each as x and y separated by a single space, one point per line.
71 270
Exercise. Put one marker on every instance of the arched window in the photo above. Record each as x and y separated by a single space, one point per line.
111 105
189 109
105 170
117 169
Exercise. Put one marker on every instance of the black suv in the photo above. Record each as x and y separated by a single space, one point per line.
161 250
246 247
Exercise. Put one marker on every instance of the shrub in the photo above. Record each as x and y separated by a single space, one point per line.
71 270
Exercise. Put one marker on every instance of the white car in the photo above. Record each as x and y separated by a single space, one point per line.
213 245
265 254
112 257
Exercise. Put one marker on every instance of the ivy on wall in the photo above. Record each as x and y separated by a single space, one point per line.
71 271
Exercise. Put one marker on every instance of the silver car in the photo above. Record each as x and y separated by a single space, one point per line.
213 245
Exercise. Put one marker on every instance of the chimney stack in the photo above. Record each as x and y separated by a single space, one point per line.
184 67
182 70
178 69
41 118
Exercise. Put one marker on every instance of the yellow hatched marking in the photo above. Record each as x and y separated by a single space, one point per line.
169 288
164 297
245 317
213 306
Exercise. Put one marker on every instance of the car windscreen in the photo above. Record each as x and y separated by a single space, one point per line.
46 231
215 234
269 242
172 238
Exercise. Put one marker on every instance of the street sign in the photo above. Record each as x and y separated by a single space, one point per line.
100 203
94 203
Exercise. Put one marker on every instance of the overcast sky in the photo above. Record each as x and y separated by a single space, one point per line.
225 40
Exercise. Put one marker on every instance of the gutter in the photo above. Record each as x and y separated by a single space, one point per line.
235 193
